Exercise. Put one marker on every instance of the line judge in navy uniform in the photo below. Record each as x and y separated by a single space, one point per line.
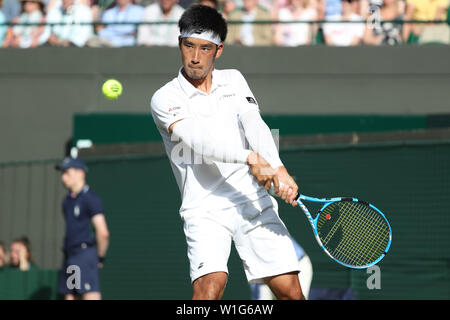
87 236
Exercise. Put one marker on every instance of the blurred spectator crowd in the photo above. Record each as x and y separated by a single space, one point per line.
119 23
19 256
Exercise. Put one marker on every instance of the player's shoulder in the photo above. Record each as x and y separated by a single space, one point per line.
230 75
168 92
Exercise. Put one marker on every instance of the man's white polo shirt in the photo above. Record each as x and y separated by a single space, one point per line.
202 183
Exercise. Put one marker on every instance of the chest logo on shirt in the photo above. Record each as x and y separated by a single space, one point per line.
76 211
226 96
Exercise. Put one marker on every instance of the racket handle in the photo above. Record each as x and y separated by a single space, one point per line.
272 188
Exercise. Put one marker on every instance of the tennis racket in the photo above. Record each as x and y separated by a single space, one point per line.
352 232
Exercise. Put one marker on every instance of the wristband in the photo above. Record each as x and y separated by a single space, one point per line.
101 259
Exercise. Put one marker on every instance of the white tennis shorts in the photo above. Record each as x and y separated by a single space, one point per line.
260 237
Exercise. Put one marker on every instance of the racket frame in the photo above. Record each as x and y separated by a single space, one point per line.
327 202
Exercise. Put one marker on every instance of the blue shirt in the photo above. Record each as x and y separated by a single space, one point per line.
121 34
78 212
3 28
333 7
11 9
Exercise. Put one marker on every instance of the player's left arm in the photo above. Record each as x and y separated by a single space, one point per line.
101 234
261 141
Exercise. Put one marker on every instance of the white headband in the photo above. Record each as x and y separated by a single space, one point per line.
206 35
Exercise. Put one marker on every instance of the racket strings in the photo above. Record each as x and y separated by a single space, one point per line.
362 243
369 244
357 236
356 239
377 237
365 241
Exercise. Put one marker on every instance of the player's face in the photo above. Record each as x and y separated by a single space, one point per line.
198 57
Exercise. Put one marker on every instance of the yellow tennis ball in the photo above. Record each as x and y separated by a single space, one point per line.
112 89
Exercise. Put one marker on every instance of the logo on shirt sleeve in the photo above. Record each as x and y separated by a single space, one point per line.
251 100
174 111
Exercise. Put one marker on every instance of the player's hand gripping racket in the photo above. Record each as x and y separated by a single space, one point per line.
354 233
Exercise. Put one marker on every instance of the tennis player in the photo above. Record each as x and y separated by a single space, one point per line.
224 159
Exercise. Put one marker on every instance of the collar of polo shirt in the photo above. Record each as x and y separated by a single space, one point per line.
190 90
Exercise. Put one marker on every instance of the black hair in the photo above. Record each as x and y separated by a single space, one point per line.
199 18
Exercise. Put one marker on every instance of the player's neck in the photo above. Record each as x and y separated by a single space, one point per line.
201 84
